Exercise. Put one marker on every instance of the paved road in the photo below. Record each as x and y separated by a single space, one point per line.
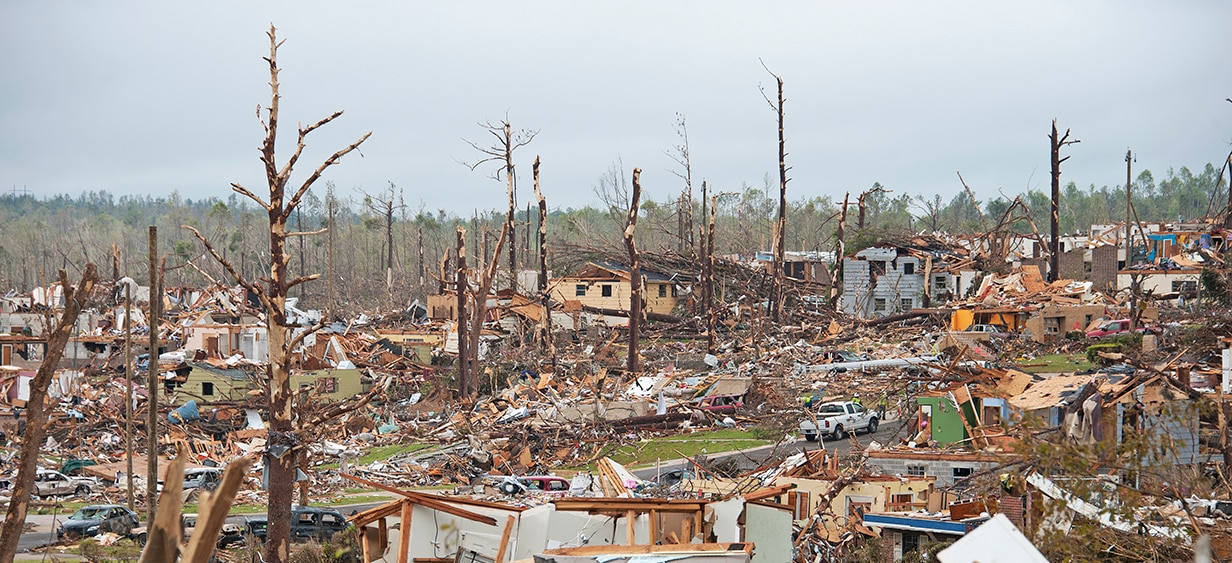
886 433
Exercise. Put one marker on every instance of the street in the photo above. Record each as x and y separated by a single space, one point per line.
887 432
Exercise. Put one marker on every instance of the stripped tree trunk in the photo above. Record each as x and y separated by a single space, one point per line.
545 333
780 226
464 361
840 248
635 275
1054 243
709 287
36 411
283 447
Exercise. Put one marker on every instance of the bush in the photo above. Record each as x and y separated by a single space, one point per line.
1094 350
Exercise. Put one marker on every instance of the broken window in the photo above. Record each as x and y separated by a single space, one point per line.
579 290
939 283
917 470
207 389
662 290
675 292
607 290
879 304
905 304
876 267
960 472
909 269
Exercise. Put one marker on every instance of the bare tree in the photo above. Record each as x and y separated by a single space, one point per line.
635 275
507 141
385 205
75 298
545 333
780 227
284 446
680 154
462 284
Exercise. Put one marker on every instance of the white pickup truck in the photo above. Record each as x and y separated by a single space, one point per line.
836 419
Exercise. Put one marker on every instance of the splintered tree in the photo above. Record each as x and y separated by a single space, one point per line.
635 275
75 298
284 445
780 226
545 329
507 141
680 155
1054 243
385 205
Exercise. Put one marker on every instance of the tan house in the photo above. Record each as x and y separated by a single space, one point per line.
605 285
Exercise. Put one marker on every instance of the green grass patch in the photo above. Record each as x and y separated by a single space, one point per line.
1056 363
650 451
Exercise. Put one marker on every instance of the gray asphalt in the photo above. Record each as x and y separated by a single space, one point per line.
887 432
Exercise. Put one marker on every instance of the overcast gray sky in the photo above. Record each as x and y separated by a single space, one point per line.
148 98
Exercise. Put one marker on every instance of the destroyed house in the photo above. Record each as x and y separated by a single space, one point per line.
877 282
606 286
959 415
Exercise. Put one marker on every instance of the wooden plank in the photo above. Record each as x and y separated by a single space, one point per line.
404 532
686 530
630 519
504 542
363 544
426 501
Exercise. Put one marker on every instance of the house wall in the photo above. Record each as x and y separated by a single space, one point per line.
1104 265
946 469
870 293
346 382
1159 281
566 289
876 491
225 388
1053 321
945 427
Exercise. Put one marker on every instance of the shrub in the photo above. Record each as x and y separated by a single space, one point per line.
1094 350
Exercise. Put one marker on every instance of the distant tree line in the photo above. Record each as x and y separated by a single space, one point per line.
40 235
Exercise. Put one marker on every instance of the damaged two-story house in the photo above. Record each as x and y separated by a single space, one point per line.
890 279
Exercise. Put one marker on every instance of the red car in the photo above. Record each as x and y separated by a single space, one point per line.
1116 328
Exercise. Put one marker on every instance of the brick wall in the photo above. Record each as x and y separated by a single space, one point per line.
1103 266
1071 264
1011 507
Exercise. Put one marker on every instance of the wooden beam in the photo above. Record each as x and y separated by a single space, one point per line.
427 501
630 519
617 505
745 547
363 544
404 532
504 542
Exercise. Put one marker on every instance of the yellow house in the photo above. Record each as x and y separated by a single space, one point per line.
605 285
868 493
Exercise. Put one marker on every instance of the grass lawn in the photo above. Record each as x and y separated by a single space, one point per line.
686 445
1054 363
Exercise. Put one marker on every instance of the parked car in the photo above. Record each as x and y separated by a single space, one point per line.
1118 327
49 483
990 329
835 419
96 519
843 356
230 534
541 483
307 524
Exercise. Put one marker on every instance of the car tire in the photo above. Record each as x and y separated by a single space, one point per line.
872 426
141 539
82 491
810 437
839 433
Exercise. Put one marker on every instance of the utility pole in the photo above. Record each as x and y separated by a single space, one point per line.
151 430
128 389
